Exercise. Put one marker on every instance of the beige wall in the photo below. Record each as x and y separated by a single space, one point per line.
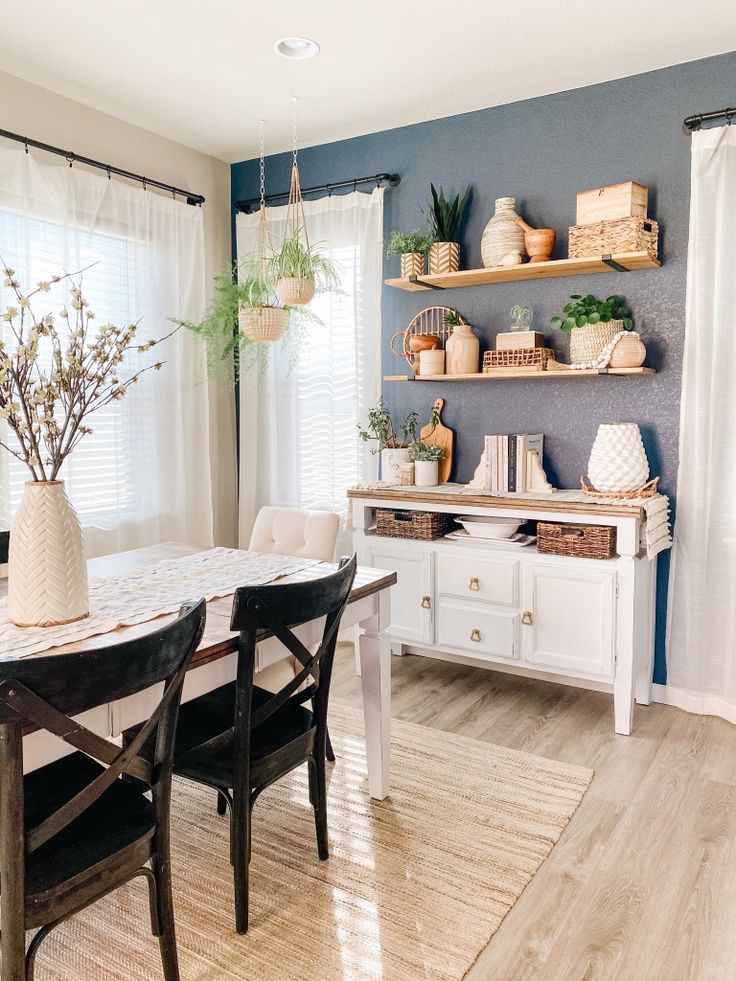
38 113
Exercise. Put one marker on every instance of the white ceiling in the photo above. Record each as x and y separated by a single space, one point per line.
201 72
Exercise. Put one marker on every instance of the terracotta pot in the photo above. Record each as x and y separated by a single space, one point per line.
628 353
539 242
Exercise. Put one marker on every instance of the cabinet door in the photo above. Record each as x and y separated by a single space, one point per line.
412 598
567 623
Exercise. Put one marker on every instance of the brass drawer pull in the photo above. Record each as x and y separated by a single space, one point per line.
475 635
474 584
527 618
425 602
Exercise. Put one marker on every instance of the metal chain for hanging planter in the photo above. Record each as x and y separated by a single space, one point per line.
294 290
260 321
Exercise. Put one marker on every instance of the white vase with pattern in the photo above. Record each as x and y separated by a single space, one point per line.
618 461
391 461
47 568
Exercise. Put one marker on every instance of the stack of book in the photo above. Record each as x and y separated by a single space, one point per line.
506 460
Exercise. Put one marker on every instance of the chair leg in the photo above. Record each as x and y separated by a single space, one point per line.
318 797
13 955
165 909
221 804
239 853
330 752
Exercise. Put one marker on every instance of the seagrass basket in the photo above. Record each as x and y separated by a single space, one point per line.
294 291
423 525
621 235
525 358
264 324
586 343
580 541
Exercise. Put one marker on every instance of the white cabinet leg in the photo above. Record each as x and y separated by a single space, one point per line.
623 682
375 659
397 649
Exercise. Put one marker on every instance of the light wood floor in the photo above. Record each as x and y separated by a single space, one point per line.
642 884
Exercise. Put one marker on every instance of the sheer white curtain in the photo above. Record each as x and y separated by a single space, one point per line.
701 662
299 445
143 476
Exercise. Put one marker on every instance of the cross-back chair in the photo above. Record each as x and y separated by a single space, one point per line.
240 738
73 831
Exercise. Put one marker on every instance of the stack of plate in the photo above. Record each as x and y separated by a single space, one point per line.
479 529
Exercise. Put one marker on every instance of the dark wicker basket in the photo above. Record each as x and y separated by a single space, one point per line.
582 541
424 525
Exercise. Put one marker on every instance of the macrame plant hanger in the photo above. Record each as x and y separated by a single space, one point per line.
294 290
260 320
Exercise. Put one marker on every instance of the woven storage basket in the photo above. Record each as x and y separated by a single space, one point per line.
586 343
424 525
613 237
294 291
582 541
531 358
263 324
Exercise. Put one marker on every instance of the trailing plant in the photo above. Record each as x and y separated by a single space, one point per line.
425 452
584 310
445 214
381 429
402 243
297 259
452 319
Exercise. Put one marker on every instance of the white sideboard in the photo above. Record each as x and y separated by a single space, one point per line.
582 622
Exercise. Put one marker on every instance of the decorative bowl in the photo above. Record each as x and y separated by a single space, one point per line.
480 526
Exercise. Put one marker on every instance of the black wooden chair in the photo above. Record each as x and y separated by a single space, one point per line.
239 739
73 831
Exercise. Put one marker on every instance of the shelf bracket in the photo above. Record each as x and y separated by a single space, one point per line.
612 264
420 282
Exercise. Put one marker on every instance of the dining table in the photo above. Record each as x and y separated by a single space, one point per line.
214 663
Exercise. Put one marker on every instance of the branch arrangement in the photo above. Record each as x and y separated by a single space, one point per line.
52 379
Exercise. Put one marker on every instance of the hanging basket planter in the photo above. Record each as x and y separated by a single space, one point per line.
263 324
294 291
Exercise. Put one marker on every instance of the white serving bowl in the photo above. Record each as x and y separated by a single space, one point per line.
480 526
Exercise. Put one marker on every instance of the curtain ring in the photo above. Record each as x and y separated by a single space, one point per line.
109 172
329 190
729 116
71 158
355 185
25 144
145 184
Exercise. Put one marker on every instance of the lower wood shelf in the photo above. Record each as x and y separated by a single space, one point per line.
516 373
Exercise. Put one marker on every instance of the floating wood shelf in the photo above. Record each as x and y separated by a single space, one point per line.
626 262
516 374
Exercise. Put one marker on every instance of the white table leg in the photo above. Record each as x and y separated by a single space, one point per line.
375 662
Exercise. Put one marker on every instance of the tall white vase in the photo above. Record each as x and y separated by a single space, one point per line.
47 573
618 461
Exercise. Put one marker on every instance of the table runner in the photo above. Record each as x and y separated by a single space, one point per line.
150 592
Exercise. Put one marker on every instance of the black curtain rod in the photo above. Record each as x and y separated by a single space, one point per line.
696 121
392 180
191 198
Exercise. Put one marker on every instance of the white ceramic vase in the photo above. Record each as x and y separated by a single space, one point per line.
391 461
426 473
618 461
47 571
462 351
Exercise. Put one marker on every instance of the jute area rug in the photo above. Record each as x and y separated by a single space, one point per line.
414 888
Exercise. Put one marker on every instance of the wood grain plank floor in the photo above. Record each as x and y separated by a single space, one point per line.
642 886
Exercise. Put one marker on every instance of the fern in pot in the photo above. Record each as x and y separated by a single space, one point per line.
592 324
412 247
261 314
444 216
426 458
299 270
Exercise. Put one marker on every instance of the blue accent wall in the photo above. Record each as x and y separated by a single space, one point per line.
542 152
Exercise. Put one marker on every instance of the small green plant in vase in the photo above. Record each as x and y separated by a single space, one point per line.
593 324
444 216
391 442
299 270
412 247
426 458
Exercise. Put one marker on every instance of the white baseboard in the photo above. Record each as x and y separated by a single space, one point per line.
694 703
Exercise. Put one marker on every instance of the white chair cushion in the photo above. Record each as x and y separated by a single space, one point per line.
290 531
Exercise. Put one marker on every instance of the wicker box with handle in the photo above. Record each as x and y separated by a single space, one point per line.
580 541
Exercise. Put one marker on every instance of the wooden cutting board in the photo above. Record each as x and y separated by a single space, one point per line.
440 435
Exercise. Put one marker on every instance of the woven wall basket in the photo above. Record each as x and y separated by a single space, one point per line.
264 324
614 237
295 292
444 257
586 343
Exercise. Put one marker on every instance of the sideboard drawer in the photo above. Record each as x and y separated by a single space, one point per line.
472 628
473 577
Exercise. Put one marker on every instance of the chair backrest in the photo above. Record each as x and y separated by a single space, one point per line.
275 609
45 691
291 531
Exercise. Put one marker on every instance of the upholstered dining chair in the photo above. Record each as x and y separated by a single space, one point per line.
75 830
241 738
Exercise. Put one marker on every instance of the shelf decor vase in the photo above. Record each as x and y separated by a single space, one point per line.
412 264
629 352
587 343
426 473
391 461
618 461
47 568
444 257
295 291
462 351
503 239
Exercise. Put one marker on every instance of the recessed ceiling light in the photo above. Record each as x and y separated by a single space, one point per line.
296 47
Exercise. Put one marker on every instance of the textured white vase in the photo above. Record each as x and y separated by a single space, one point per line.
426 473
47 571
618 461
391 461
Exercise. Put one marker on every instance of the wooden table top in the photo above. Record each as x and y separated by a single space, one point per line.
218 639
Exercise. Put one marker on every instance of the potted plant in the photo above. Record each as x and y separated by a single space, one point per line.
51 379
299 270
592 324
412 247
393 445
426 458
444 215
